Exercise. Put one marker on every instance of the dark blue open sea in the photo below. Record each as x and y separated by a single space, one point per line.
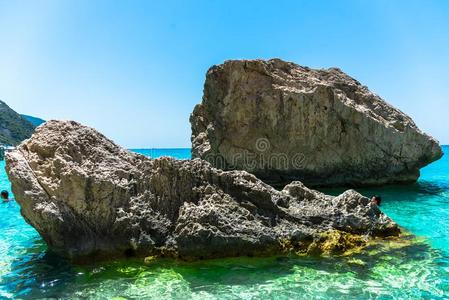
419 270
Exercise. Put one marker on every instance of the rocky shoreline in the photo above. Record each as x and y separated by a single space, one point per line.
87 197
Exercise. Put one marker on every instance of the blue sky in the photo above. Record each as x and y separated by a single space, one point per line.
135 69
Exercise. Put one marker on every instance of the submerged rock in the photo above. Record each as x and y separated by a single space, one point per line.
283 122
87 196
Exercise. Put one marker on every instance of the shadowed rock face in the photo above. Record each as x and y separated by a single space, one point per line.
284 122
86 196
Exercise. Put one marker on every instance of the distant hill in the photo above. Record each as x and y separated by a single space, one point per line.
33 120
13 127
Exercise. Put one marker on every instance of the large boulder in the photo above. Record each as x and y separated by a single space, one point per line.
87 196
284 122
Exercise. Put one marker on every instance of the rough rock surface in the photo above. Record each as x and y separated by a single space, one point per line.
284 122
87 196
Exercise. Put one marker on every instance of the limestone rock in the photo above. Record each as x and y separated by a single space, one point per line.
87 196
284 122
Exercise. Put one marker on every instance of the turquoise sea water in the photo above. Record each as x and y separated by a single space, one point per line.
416 271
179 153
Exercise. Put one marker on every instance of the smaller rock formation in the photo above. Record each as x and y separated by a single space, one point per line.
283 122
87 197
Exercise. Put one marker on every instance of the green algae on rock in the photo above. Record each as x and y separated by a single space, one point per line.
87 197
336 242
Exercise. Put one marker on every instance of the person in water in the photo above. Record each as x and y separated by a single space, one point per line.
5 196
376 200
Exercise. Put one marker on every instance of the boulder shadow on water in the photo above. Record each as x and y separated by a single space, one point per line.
410 192
38 273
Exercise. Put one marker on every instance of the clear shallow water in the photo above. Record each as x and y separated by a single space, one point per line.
417 271
179 153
